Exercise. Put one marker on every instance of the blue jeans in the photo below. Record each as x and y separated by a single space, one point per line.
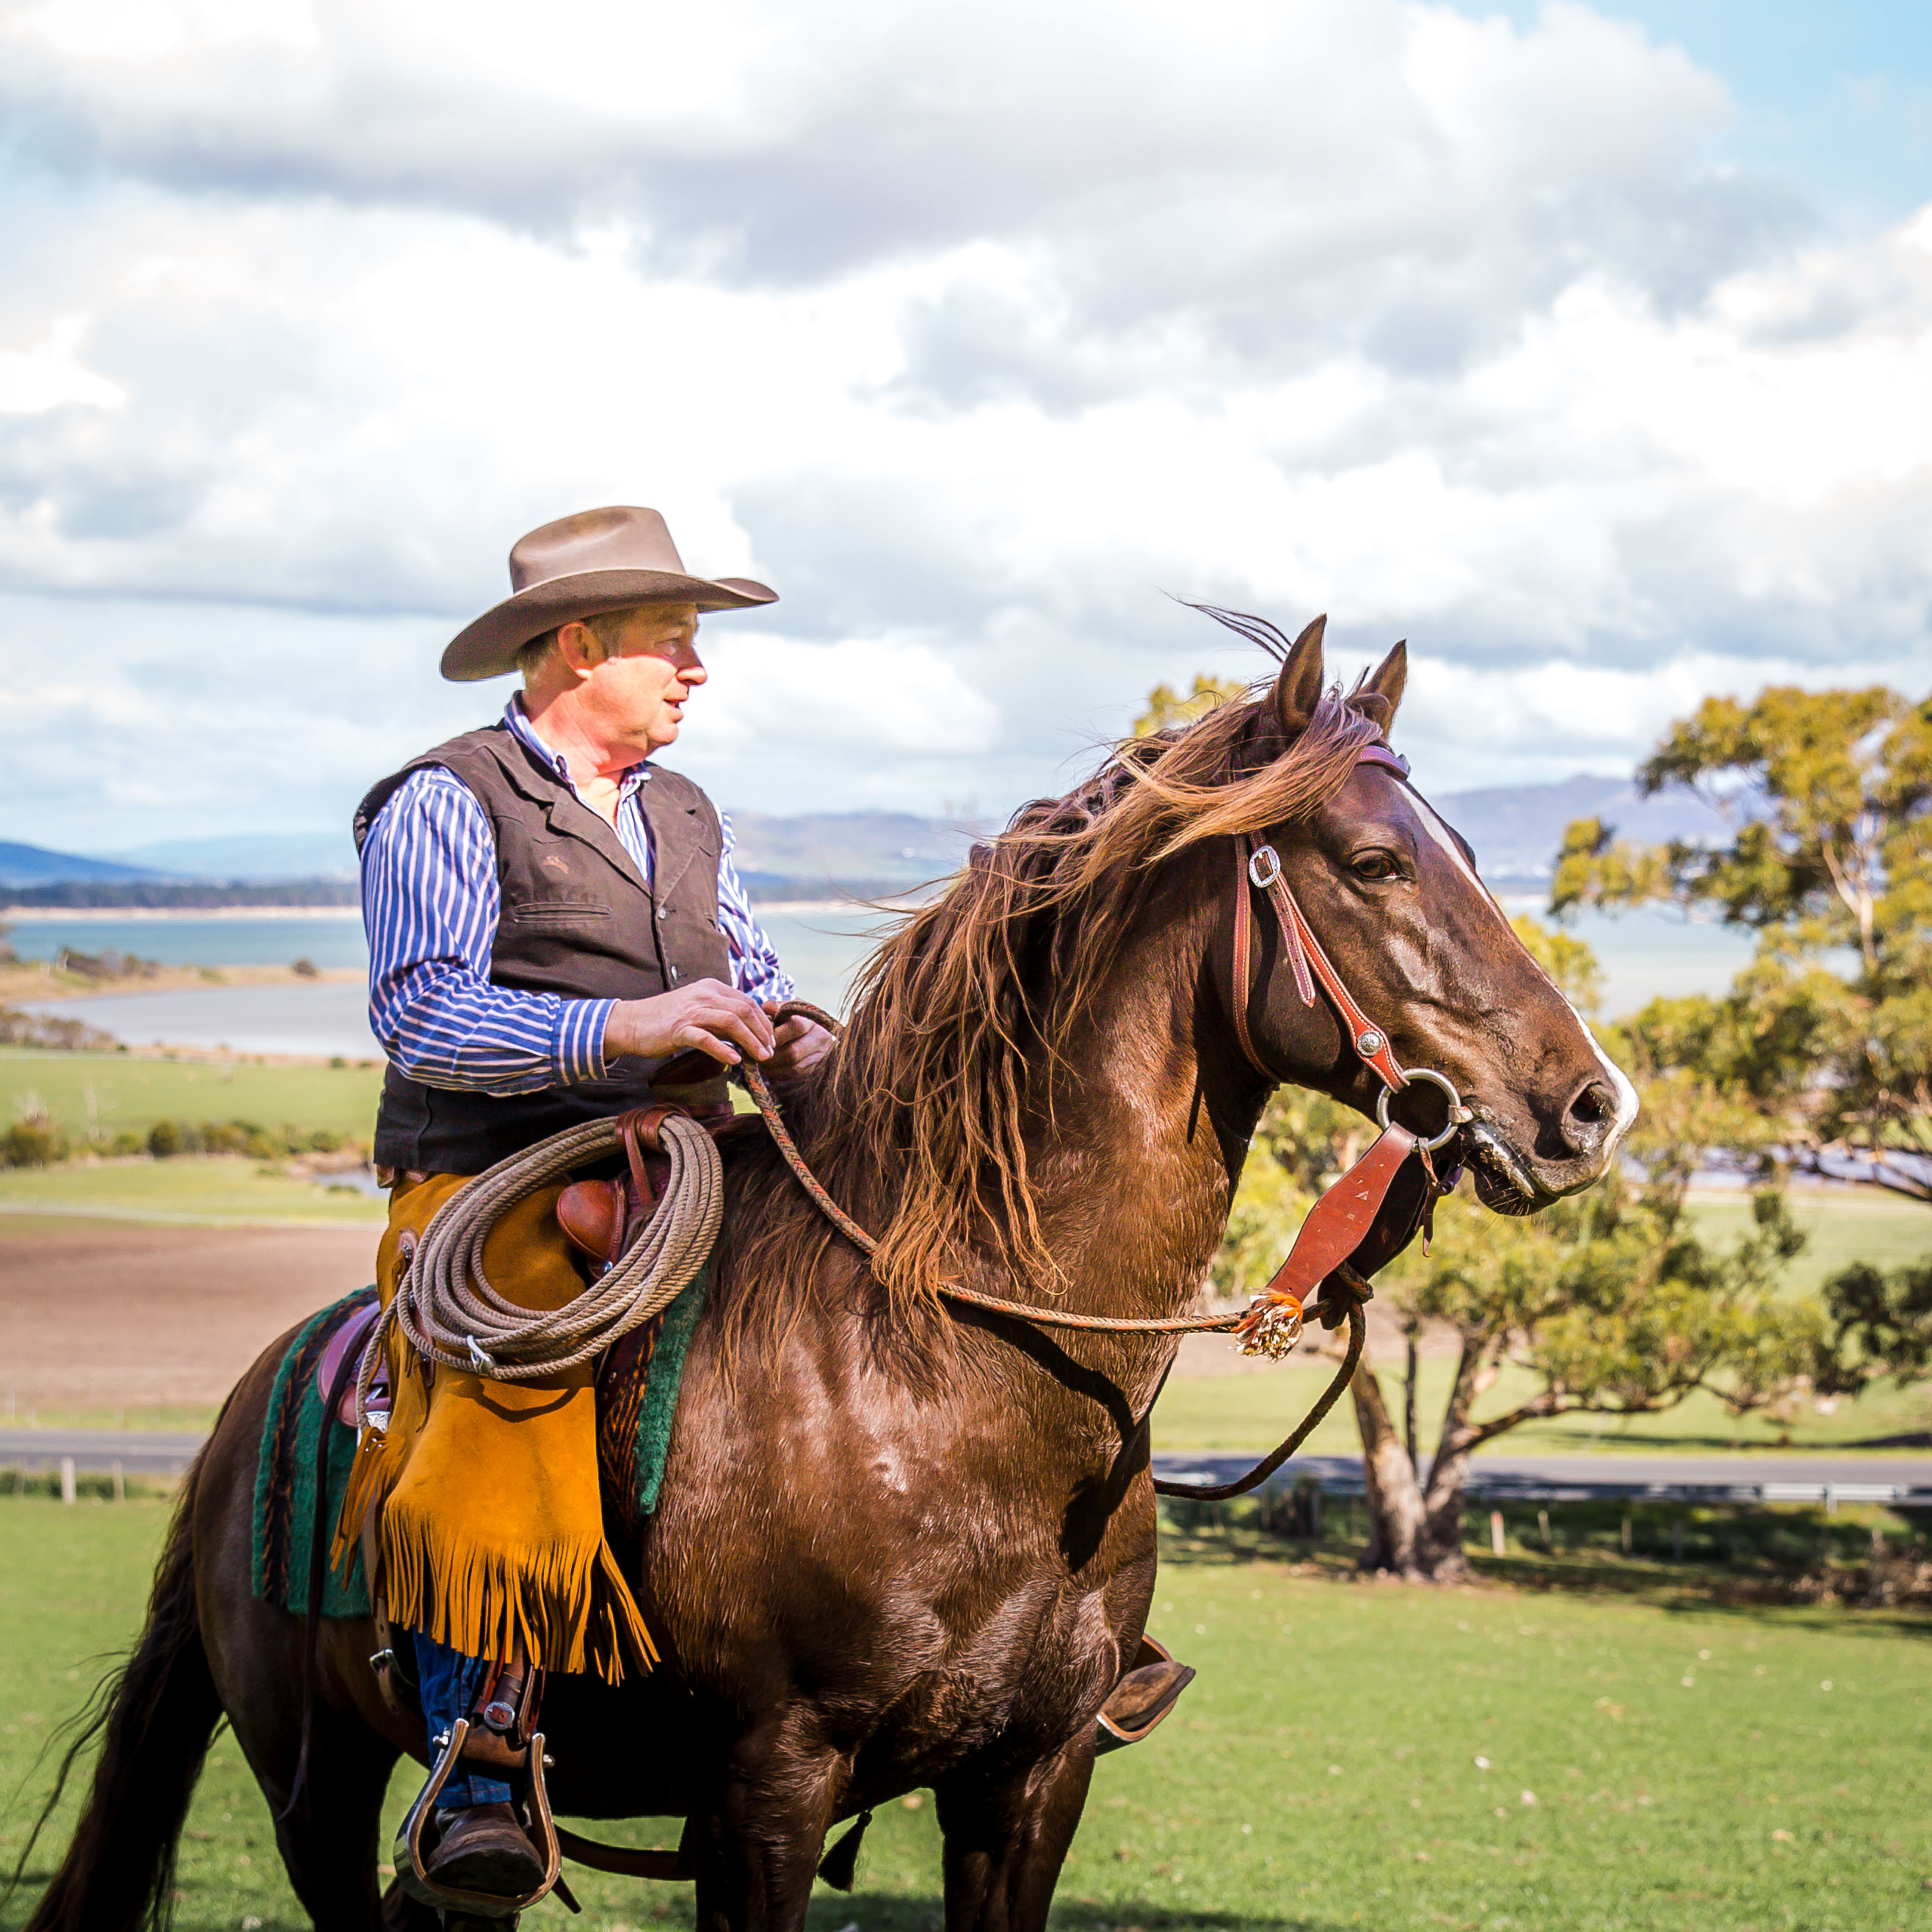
448 1682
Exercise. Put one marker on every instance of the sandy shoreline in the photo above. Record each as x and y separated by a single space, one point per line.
38 981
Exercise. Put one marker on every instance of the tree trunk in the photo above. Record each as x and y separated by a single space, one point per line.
1395 1520
1440 1543
1411 1378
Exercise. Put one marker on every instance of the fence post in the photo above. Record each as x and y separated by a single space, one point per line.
1677 1539
1627 1536
1496 1533
120 1483
1542 1524
67 1479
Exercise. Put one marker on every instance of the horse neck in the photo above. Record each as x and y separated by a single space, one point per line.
1132 1178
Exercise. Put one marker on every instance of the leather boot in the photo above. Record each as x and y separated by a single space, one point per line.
483 1848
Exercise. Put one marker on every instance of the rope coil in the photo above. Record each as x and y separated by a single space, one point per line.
447 1311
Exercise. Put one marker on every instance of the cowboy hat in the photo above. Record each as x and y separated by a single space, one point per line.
578 567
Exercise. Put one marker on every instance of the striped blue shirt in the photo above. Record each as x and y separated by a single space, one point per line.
431 903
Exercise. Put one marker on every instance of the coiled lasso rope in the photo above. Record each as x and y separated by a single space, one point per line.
447 1309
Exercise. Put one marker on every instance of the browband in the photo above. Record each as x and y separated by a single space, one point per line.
1381 754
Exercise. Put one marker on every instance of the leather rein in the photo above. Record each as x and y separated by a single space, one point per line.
1336 1226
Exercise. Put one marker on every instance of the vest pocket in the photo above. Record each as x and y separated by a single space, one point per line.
556 912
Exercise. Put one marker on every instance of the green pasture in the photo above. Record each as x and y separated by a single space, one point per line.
111 1091
1855 1224
1251 1410
194 1188
1255 1411
1352 1755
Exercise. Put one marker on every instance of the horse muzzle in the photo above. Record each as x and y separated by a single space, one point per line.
1508 1181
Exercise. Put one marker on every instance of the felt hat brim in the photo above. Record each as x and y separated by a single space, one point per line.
488 647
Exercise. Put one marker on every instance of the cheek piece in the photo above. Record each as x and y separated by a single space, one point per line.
1338 1222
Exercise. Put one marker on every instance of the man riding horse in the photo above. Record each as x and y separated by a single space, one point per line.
906 1537
552 916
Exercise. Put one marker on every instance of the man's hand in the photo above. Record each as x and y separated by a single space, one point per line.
802 1045
707 1014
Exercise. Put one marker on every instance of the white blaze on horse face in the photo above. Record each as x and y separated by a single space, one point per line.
1620 1085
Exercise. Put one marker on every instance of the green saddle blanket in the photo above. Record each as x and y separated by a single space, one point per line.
636 1404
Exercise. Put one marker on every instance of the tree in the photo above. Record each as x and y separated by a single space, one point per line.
1608 1303
1166 707
1881 1326
1827 798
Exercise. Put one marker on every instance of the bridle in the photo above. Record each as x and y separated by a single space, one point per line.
1336 1226
1273 1322
1259 866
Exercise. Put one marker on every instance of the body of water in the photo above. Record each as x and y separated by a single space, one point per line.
819 946
238 936
1643 955
1651 953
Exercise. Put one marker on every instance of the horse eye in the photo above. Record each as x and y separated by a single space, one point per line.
1375 866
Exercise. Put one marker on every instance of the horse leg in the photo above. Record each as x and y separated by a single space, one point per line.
1006 1837
330 1841
327 1830
154 1730
758 1851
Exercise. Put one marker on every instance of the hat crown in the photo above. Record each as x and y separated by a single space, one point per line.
619 537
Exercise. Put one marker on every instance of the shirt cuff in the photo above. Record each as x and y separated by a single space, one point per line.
580 1040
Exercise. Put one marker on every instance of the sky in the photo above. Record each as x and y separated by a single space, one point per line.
1589 349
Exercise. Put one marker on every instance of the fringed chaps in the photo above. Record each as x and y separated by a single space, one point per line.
491 1524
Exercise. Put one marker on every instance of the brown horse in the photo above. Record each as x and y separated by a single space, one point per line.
901 1546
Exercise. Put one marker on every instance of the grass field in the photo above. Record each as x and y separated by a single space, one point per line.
1351 1755
212 1189
114 1090
1251 1410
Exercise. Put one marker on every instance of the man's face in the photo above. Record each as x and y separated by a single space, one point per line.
635 689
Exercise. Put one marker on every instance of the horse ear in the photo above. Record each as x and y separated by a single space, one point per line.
1298 689
1386 682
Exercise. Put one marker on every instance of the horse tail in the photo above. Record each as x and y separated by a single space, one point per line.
154 1717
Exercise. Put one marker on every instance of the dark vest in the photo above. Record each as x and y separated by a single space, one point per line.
577 920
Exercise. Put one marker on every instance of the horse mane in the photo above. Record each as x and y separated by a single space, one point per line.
918 1122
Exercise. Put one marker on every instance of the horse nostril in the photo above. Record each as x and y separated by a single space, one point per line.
1589 1117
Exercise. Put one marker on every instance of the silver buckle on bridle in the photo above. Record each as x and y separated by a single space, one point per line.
1256 877
1459 1116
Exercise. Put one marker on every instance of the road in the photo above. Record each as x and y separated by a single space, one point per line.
1756 1478
1752 1478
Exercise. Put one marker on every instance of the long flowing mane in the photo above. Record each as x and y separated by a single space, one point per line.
959 1018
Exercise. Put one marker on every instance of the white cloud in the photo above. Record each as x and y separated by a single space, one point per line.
33 381
973 329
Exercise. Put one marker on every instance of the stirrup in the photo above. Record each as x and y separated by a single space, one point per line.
1166 1680
407 1855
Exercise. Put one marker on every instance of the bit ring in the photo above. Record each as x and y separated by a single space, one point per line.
1459 1114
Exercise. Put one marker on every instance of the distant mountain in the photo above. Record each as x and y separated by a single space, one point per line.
249 858
21 865
865 854
1516 830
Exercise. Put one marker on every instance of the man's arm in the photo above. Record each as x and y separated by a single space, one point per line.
754 960
430 905
799 1044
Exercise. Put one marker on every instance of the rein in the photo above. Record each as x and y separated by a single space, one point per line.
1336 1225
1354 1290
